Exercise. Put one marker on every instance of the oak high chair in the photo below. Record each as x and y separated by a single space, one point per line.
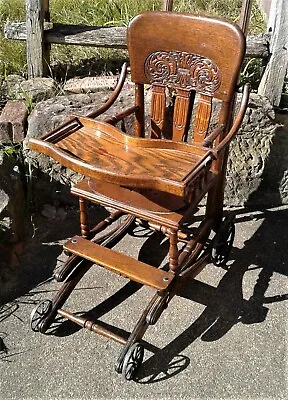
155 179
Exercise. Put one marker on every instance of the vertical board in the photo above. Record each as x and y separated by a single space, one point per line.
37 50
245 15
167 5
271 84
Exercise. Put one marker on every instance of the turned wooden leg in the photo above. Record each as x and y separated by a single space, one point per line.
83 217
173 251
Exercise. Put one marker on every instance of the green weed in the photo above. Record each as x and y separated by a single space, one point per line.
101 13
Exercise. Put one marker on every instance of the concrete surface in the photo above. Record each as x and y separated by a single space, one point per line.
223 337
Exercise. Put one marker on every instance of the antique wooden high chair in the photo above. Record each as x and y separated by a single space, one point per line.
157 179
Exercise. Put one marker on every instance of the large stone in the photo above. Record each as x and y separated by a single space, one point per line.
273 187
15 222
49 114
11 86
14 215
250 157
38 89
31 90
90 84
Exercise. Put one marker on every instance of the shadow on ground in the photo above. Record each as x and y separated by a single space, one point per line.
42 253
224 305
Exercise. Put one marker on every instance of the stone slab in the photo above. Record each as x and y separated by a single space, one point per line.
90 84
13 121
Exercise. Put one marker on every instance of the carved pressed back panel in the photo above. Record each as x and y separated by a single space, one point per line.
188 54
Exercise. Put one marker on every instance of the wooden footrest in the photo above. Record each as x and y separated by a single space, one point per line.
120 263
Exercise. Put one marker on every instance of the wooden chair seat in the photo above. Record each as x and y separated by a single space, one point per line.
150 204
99 150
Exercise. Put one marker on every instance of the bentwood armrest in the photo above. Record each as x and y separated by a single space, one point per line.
237 122
207 142
120 116
114 94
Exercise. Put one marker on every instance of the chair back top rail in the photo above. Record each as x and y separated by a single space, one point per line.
203 54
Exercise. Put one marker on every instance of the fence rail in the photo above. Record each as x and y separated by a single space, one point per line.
114 37
40 33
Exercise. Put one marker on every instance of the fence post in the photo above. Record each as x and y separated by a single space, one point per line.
271 84
264 7
245 15
38 52
167 5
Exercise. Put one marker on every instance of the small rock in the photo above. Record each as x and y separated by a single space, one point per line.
12 85
35 89
49 211
13 121
38 89
90 84
61 214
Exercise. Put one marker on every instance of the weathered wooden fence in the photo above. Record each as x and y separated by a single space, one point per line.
39 33
276 70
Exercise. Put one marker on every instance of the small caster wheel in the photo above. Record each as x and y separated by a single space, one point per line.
132 361
39 314
222 242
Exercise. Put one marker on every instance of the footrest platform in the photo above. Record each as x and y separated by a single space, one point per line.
120 263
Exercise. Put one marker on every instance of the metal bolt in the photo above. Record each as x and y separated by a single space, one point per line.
165 279
73 241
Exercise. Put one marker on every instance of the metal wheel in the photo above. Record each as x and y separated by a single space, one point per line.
222 242
39 314
132 361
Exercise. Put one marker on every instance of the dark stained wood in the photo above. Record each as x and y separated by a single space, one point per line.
237 123
83 217
181 114
121 116
91 326
102 152
164 209
202 118
173 251
120 263
157 113
139 125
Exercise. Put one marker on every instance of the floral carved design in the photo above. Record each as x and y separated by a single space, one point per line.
184 71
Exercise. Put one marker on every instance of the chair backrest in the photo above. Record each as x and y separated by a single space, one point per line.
188 54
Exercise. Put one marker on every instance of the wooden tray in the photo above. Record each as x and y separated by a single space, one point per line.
99 150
